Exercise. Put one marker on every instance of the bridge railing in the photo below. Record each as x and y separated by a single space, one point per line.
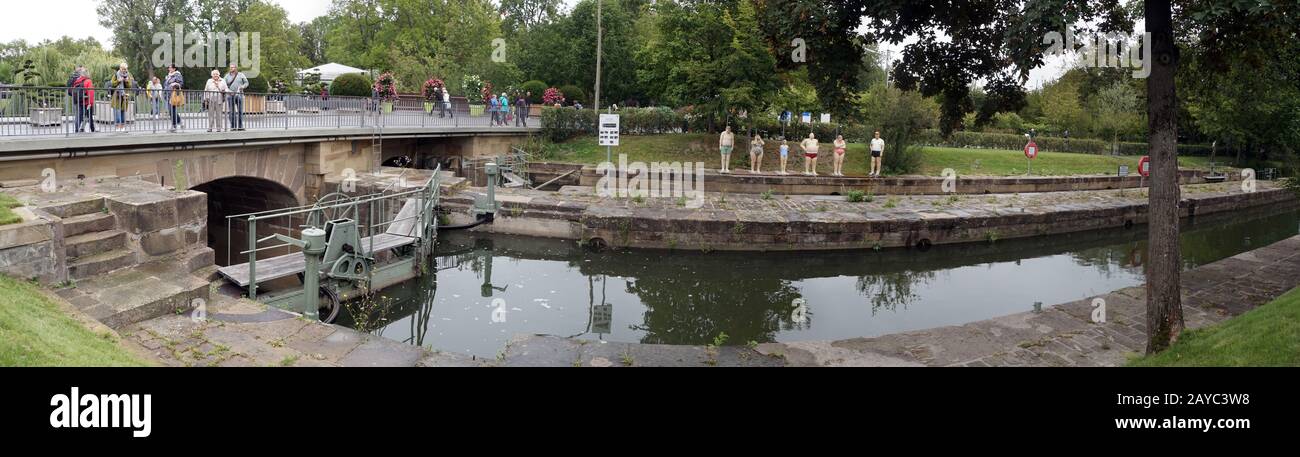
60 111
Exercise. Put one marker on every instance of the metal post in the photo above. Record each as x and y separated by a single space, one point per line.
313 249
252 257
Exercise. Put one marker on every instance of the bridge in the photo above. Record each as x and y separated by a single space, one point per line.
290 144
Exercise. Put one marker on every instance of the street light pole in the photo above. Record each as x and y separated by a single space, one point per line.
599 48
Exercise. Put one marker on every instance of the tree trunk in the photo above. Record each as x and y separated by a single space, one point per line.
1164 261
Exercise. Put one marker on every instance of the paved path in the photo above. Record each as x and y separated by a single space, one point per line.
1064 335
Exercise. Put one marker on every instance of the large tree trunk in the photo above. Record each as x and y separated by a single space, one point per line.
1164 306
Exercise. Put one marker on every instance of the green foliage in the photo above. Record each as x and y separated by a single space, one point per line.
560 124
537 88
36 332
352 85
856 196
901 117
574 93
258 85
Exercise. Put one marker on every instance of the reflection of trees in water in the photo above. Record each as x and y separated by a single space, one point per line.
888 290
1109 260
679 311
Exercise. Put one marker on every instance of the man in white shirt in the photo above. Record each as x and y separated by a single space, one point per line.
877 152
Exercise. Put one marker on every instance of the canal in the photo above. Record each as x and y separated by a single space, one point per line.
490 287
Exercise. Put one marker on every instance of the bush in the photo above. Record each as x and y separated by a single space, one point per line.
351 85
258 85
560 124
538 89
574 94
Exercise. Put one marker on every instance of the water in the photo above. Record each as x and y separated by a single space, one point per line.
683 297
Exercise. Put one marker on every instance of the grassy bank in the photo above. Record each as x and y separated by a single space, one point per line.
7 215
966 162
1265 336
35 332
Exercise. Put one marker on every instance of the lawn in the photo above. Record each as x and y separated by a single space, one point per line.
966 162
1265 336
7 204
34 331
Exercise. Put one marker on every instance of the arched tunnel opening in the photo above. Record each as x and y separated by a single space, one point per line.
242 195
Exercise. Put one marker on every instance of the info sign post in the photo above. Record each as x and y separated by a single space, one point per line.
608 134
1031 151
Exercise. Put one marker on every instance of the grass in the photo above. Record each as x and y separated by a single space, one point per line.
34 331
1265 336
967 162
7 215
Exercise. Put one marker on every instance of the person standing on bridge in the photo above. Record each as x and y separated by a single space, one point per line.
521 108
175 83
214 97
155 93
505 109
726 142
122 83
494 107
83 89
446 103
236 82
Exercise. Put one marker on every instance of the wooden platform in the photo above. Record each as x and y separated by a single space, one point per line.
292 264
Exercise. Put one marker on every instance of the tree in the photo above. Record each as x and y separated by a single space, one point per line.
821 36
280 42
134 22
1117 111
314 35
523 15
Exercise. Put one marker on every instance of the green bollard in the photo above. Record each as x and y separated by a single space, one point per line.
314 248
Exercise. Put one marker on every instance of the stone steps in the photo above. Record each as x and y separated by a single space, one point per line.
86 223
89 244
126 296
85 267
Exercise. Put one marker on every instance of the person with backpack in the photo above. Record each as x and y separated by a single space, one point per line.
83 99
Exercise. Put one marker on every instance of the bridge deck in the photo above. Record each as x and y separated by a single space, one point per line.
292 264
19 136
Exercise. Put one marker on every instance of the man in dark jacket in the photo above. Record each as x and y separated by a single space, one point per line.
521 105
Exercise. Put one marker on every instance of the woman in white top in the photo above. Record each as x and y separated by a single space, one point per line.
809 146
214 96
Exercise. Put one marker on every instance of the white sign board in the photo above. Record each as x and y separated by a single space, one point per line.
608 130
806 117
826 118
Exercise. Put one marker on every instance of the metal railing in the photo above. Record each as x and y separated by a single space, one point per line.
60 111
377 208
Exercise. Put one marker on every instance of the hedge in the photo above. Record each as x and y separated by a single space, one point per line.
351 85
538 88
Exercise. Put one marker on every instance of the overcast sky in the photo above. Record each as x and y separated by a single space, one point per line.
77 18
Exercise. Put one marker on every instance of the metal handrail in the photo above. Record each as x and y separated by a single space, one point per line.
62 111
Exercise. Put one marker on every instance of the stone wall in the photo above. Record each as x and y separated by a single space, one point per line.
33 249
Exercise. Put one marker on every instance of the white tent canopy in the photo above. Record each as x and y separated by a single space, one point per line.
330 71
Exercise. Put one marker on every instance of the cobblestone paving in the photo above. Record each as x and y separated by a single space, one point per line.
1065 335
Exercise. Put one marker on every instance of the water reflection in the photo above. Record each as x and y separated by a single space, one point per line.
685 297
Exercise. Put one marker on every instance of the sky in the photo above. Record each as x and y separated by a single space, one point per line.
78 19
